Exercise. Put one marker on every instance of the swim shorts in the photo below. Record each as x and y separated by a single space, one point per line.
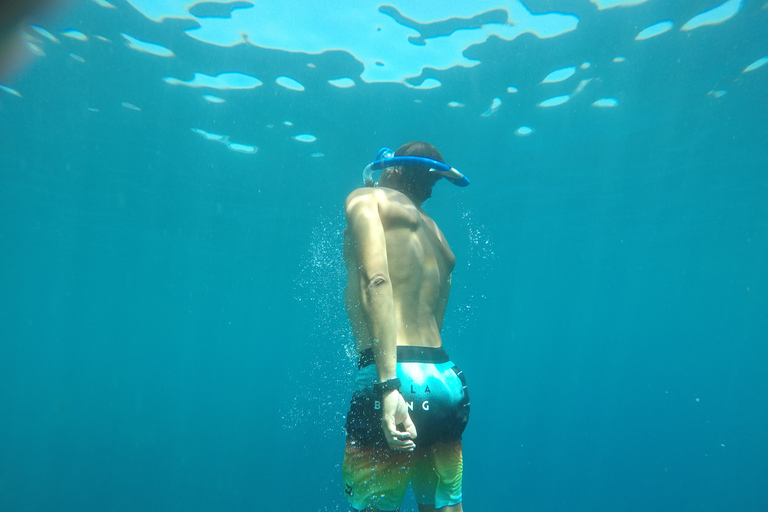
435 391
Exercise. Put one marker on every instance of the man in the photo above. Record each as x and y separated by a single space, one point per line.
410 404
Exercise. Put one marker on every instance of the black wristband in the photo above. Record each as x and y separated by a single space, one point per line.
388 385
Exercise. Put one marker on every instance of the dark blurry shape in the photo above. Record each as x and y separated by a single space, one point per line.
214 10
13 13
445 27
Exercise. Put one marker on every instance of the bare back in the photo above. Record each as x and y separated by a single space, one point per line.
419 263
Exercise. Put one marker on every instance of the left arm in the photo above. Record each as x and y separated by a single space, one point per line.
378 303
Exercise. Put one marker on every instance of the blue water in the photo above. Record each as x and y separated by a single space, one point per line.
171 315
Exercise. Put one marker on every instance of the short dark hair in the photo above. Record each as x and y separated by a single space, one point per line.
417 179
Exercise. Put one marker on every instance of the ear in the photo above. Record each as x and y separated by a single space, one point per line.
395 172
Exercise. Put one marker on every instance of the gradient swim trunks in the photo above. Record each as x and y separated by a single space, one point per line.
438 401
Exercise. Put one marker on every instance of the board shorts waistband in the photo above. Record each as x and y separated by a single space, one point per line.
407 354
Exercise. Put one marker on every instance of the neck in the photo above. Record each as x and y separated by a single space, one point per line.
402 190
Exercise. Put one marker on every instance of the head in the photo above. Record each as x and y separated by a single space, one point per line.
414 181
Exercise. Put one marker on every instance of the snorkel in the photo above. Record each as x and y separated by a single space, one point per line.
386 158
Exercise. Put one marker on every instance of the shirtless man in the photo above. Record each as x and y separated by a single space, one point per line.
410 403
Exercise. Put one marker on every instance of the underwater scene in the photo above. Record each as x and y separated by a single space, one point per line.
173 175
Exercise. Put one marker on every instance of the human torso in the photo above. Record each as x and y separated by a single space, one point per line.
420 262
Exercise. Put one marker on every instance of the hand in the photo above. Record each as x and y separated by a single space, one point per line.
394 412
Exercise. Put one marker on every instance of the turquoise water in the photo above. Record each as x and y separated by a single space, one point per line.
171 315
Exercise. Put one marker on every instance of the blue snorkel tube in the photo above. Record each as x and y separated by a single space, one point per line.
385 158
